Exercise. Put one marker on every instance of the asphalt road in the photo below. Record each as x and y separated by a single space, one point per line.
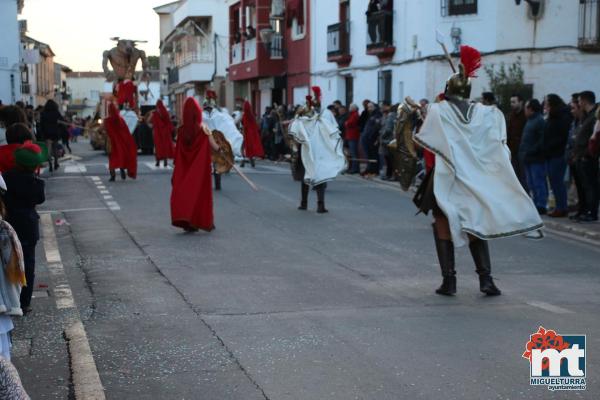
278 303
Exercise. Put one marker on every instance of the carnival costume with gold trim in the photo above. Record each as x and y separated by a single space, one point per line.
474 184
320 154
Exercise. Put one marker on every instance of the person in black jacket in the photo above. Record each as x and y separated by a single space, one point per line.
531 154
586 163
370 140
24 192
51 131
556 135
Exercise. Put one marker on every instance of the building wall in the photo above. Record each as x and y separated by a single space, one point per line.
298 55
548 55
10 80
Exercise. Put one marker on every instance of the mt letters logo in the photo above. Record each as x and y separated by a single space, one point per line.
556 361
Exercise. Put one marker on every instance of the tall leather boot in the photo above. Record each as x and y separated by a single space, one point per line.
123 175
304 199
217 181
321 198
445 253
112 175
483 266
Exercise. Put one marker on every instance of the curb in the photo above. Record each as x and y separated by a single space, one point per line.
85 377
574 230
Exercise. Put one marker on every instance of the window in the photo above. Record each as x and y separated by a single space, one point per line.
385 86
296 18
589 25
458 7
349 90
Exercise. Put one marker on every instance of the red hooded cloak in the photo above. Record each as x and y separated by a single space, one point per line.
191 196
123 152
163 132
7 156
252 144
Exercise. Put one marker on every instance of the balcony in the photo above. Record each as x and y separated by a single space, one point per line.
250 50
196 72
236 53
589 25
276 46
338 43
380 34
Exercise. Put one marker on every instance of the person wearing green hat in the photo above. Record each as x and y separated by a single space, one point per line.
24 191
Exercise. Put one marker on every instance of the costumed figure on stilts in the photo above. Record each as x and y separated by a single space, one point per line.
253 147
162 129
123 58
191 196
320 157
121 147
471 187
220 120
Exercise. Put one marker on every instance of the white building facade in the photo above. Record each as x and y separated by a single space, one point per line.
393 53
194 49
10 76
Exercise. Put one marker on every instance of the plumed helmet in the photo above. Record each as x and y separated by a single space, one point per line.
210 99
459 84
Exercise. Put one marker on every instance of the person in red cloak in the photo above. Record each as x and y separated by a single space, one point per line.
252 144
127 93
191 195
163 134
123 150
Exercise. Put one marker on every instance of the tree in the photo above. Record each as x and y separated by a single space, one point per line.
507 81
154 62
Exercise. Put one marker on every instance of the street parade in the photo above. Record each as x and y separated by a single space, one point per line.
243 200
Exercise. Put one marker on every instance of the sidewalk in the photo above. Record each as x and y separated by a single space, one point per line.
586 231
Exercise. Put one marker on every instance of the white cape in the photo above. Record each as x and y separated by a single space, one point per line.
224 122
131 119
474 182
322 154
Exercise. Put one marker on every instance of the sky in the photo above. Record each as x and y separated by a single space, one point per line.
78 31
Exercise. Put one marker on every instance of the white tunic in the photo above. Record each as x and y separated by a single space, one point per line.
474 183
322 153
224 122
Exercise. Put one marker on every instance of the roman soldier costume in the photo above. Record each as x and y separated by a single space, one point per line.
471 189
320 156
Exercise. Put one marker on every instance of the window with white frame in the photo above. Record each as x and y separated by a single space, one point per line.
298 14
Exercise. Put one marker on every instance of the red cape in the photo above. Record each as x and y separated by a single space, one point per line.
191 197
163 132
7 156
126 93
123 153
252 143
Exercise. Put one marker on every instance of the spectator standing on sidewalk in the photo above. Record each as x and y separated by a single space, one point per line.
369 139
386 135
531 153
24 192
352 129
514 129
575 197
556 135
586 163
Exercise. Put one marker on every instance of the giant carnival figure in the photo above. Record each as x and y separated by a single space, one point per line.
123 59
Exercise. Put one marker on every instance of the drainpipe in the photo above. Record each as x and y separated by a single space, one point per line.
215 55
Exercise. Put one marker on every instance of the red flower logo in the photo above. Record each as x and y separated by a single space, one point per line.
544 339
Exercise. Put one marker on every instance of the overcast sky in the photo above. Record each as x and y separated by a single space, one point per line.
78 31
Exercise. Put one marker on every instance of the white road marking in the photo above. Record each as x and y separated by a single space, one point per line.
108 197
101 187
153 166
113 205
549 307
86 380
71 210
75 169
95 178
104 192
